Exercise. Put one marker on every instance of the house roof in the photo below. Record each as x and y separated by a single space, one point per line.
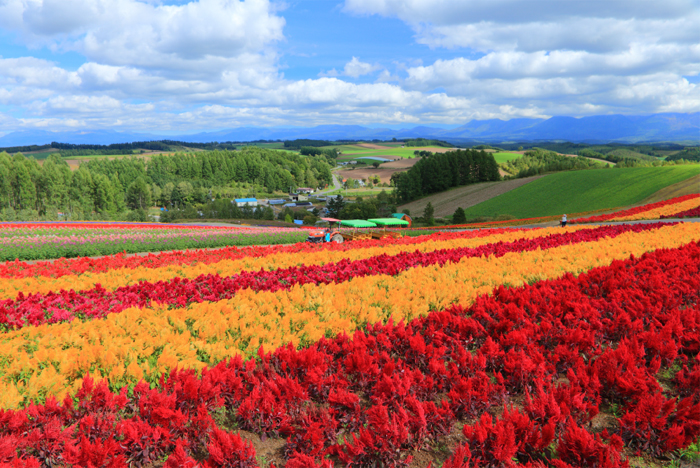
245 200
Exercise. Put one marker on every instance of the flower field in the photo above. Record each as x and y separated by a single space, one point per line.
31 241
544 347
679 207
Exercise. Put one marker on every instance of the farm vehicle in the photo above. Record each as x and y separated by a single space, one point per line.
333 232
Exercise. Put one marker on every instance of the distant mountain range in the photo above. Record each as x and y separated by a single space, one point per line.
667 127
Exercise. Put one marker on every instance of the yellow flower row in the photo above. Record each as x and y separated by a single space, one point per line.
662 211
144 343
114 279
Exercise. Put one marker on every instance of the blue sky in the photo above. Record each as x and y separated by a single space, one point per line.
187 66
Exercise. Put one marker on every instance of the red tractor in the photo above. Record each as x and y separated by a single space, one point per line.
330 234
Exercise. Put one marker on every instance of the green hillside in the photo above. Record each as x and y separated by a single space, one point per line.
503 157
579 191
630 154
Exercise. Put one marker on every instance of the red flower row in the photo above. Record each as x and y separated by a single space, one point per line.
566 348
634 211
694 213
36 309
76 266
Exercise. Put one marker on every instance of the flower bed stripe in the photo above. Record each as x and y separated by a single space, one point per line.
36 309
692 213
99 242
81 265
260 259
650 211
52 359
390 390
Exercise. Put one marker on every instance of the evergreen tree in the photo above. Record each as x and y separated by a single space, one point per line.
335 206
428 214
138 195
459 217
25 187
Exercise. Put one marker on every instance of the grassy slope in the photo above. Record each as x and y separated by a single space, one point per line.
579 191
503 157
626 153
351 152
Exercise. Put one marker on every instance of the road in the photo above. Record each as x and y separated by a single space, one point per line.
336 186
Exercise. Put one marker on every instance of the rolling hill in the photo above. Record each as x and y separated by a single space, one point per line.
580 191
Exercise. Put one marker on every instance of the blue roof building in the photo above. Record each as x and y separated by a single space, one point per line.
246 201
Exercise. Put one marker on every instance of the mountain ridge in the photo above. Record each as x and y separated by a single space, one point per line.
620 128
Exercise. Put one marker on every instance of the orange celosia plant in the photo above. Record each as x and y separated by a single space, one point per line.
144 343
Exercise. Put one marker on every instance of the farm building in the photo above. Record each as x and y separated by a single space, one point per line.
297 197
277 202
246 201
305 190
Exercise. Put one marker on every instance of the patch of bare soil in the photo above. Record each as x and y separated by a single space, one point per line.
267 451
440 451
445 203
384 172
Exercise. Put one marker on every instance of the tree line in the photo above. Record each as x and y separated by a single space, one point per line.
426 142
104 188
538 161
441 171
159 145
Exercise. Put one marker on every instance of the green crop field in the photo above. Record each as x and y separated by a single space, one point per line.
580 191
351 152
274 145
503 157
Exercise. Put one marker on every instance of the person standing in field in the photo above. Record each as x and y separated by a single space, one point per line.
563 220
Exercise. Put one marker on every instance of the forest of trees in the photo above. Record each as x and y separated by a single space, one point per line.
425 142
688 154
125 148
101 188
442 171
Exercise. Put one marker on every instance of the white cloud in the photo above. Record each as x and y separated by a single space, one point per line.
205 36
355 68
214 63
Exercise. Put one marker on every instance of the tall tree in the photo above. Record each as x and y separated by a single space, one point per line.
138 195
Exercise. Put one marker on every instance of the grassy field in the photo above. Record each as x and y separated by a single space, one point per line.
352 152
504 157
579 191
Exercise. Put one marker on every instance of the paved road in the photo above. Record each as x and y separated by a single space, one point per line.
336 186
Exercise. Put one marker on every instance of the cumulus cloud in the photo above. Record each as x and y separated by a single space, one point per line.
355 68
206 35
202 64
554 56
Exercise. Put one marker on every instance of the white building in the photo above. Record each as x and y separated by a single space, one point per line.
240 202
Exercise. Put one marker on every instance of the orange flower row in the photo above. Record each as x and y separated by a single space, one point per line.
144 343
113 279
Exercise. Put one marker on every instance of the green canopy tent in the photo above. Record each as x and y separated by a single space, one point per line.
357 223
389 222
